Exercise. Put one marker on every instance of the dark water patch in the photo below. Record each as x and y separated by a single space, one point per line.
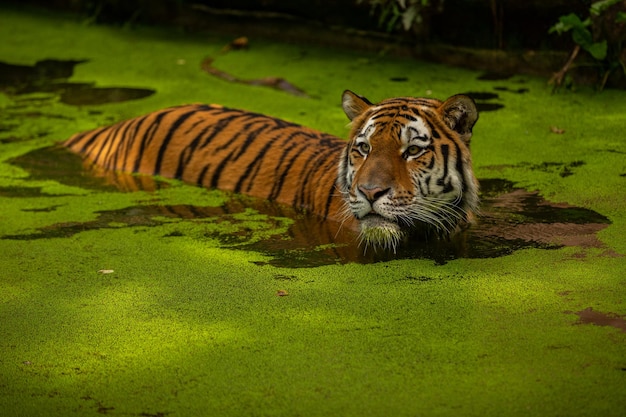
611 151
140 215
51 76
59 164
24 192
19 79
511 90
87 96
495 76
7 127
523 207
41 115
42 209
283 277
175 233
419 278
476 95
563 169
10 139
590 316
483 107
511 219
481 98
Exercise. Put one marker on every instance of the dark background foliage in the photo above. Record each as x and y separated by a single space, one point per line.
442 30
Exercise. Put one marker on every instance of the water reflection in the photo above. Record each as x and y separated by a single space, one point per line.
511 219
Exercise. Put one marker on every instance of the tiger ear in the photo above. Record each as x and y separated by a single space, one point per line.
460 114
354 105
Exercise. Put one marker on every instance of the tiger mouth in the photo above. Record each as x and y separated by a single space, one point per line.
375 219
378 231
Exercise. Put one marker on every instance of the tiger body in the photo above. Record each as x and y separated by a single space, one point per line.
223 148
406 165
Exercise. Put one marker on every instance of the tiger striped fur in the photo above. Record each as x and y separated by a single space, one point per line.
405 167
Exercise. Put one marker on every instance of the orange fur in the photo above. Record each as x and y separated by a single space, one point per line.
406 164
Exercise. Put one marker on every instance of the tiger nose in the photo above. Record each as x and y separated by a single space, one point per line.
373 192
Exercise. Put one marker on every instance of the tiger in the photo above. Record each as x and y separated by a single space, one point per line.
405 170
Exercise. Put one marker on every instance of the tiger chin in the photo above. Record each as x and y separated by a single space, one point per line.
405 170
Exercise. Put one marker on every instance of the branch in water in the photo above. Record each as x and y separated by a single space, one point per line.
276 83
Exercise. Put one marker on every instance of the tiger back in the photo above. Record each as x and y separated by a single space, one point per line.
227 149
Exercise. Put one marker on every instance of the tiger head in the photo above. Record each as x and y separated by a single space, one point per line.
407 166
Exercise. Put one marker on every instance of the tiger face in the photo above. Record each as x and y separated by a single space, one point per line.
407 167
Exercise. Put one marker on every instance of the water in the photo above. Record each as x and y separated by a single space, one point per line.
511 219
52 75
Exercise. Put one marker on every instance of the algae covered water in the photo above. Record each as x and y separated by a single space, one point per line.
511 219
134 295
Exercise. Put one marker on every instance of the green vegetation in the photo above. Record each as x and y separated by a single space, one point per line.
606 47
121 303
405 14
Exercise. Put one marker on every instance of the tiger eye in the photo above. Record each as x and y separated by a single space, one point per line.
413 150
364 147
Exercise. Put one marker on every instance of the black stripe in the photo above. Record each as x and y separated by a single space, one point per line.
431 164
91 137
233 155
385 114
253 119
319 160
408 117
331 192
272 143
426 102
188 152
434 132
459 167
424 186
146 138
218 127
277 187
251 136
218 170
121 153
280 180
111 134
168 138
200 179
445 153
256 164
